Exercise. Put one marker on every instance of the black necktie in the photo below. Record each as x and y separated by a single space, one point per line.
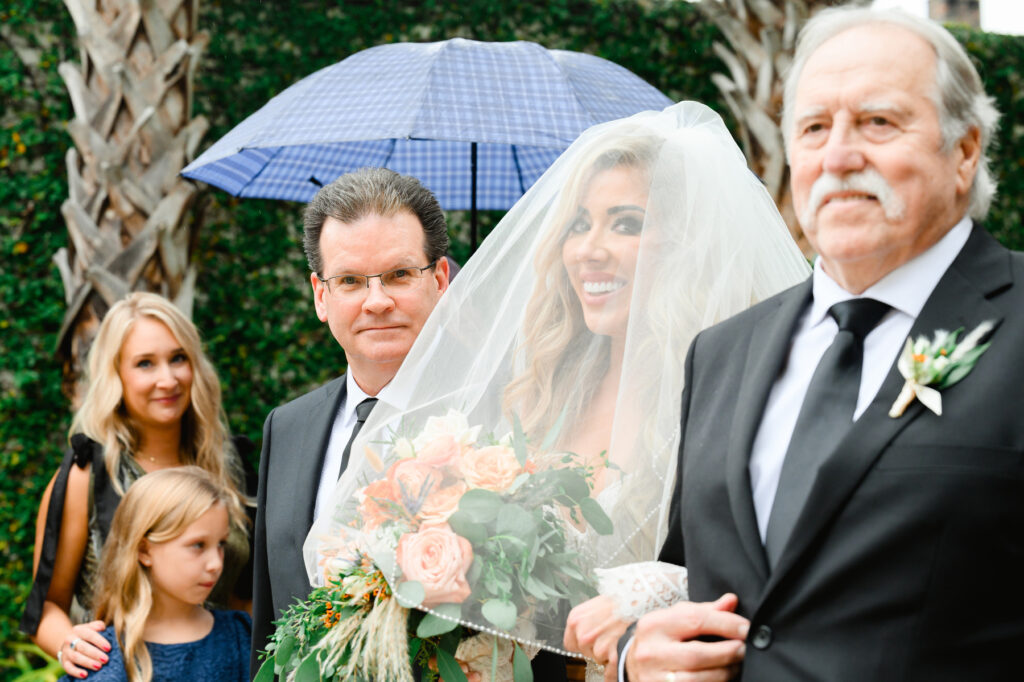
825 416
362 412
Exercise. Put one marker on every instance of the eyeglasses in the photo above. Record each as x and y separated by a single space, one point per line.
395 281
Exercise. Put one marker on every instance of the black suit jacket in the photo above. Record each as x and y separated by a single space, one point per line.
295 437
907 561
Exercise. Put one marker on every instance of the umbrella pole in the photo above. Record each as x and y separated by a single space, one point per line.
472 198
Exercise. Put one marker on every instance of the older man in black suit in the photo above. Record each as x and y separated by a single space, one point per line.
831 530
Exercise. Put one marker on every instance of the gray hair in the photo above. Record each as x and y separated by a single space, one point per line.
373 191
959 95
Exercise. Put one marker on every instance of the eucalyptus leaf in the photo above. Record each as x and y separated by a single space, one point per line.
283 653
521 670
266 672
309 670
449 667
572 484
481 505
433 625
462 523
556 428
595 516
410 594
502 614
518 440
514 520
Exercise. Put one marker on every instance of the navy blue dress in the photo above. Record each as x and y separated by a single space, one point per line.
221 655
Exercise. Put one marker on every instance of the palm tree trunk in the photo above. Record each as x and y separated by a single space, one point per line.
127 212
761 37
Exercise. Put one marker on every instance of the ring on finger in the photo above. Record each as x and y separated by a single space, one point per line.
74 642
670 676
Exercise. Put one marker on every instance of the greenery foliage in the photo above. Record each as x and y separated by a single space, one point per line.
253 306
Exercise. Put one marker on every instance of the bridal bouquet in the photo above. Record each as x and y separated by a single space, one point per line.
469 530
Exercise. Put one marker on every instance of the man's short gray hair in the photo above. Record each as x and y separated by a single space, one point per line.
959 95
373 191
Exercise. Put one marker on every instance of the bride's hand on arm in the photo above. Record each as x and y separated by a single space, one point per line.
593 629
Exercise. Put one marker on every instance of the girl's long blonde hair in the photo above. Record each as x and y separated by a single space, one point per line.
205 439
157 508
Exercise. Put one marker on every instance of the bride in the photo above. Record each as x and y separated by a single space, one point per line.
570 326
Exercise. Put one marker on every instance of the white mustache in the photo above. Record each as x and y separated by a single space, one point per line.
868 181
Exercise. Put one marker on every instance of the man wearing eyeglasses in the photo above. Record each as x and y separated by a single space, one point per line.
376 242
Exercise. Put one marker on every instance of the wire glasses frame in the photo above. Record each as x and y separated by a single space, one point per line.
397 279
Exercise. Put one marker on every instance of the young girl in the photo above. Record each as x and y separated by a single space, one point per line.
164 554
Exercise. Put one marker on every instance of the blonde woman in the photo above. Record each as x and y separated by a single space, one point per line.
164 554
153 403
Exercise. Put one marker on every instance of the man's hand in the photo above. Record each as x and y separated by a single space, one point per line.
88 653
593 630
663 645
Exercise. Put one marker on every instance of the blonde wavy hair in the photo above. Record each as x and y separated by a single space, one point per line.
554 382
157 508
102 417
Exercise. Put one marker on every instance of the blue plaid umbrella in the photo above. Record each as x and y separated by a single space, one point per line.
476 122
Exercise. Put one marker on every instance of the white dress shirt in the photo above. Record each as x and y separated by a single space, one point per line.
906 289
344 422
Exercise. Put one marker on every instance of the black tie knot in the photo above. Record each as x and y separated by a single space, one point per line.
363 409
858 315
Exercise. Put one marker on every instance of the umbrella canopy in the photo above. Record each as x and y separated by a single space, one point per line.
476 122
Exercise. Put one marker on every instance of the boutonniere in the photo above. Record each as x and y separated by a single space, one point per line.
930 366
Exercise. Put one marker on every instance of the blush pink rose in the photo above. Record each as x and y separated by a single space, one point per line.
438 559
409 477
373 506
443 451
493 468
441 504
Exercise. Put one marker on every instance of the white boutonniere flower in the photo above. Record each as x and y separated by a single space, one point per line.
930 366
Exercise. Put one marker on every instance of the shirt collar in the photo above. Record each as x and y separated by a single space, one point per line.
906 288
355 395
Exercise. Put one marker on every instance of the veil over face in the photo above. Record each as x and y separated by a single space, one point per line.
555 361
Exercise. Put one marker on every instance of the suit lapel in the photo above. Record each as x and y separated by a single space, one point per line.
766 354
959 300
311 453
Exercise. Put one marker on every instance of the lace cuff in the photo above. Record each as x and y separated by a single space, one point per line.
643 587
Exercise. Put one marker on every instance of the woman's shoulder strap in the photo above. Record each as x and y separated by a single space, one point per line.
83 452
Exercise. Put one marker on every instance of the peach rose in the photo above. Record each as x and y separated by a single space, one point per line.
443 451
438 559
493 468
411 478
441 504
373 506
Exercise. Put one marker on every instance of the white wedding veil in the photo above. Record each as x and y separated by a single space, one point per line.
511 341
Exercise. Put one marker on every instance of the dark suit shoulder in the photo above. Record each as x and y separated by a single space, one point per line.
742 322
298 408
